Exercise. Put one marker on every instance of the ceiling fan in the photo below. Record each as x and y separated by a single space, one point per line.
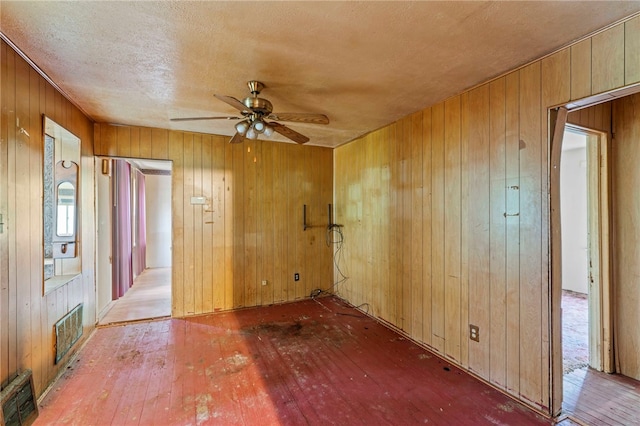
255 110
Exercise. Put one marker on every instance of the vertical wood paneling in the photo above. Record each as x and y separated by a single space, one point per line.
12 183
626 226
417 194
198 228
160 147
632 51
189 251
556 88
464 230
144 149
252 227
280 237
4 255
123 135
36 177
497 230
530 233
134 149
368 211
452 227
208 224
580 69
479 194
607 61
381 218
237 205
26 315
229 227
491 179
22 222
597 117
555 80
250 223
394 270
512 210
406 239
293 215
268 222
437 229
176 154
5 300
427 229
216 216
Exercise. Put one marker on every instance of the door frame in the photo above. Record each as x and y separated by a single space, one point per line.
601 349
598 247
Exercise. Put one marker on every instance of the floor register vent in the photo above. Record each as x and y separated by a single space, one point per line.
19 405
68 331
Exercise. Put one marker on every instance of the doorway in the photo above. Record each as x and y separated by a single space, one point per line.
574 191
584 205
133 204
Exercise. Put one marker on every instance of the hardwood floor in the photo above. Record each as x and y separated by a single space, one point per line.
575 331
591 397
309 362
597 398
149 297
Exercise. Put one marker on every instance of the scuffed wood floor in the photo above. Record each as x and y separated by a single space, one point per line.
310 362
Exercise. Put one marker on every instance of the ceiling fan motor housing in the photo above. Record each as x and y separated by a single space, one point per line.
258 105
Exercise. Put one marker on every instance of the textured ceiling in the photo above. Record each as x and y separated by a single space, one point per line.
364 64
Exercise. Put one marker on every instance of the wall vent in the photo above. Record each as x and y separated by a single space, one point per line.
19 405
68 331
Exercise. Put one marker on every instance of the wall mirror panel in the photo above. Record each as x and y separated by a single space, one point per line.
60 210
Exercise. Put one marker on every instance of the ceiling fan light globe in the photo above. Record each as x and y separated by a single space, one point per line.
242 127
268 131
251 133
259 126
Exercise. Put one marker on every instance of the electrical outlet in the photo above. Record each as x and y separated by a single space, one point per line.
296 277
474 333
265 282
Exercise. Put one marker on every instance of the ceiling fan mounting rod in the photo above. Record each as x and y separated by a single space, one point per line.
255 87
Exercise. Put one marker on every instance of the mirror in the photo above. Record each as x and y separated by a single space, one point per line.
66 210
61 212
66 181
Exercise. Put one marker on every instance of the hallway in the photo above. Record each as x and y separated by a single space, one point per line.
149 297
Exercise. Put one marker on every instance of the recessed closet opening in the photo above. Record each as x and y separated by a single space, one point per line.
133 262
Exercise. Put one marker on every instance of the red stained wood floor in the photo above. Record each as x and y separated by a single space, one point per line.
310 362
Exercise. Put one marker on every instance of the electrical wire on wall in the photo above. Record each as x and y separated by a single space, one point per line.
334 237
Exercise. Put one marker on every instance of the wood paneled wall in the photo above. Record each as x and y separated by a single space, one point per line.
597 117
26 316
252 228
626 226
446 214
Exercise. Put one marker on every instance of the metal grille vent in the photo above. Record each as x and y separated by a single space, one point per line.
19 406
68 331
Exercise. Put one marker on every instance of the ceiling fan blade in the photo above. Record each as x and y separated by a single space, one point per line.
289 133
234 103
237 138
300 117
204 118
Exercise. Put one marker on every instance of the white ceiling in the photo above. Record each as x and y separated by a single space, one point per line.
364 64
